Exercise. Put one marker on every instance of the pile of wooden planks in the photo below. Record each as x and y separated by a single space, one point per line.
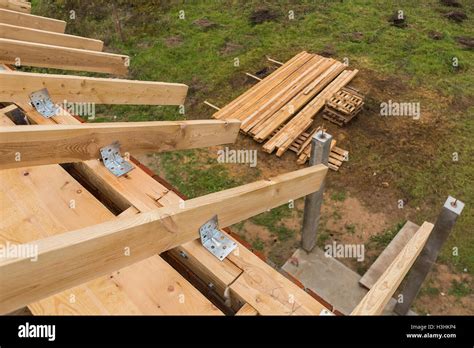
83 218
343 106
282 106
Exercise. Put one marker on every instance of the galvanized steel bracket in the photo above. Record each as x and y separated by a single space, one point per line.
114 161
215 241
42 102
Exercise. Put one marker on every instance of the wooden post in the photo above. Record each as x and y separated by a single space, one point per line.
443 226
320 149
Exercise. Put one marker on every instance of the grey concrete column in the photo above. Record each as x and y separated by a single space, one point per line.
320 149
423 264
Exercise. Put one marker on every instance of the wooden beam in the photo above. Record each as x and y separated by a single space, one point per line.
17 86
49 56
74 257
31 21
246 310
16 5
14 32
382 291
388 254
267 290
48 144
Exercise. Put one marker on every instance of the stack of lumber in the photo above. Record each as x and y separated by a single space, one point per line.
304 119
343 106
281 107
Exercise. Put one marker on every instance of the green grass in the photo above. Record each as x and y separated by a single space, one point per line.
258 244
323 236
273 221
200 59
194 176
238 226
429 290
351 228
339 196
459 289
383 239
336 215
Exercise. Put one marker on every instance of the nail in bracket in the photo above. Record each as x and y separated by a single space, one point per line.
113 161
42 102
215 241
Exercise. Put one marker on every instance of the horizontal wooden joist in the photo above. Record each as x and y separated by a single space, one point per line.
16 87
31 21
14 32
72 258
382 291
16 5
49 56
47 144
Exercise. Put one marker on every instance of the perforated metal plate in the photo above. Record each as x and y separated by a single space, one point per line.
215 241
42 102
113 161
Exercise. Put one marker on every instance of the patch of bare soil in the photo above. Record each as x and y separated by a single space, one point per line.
263 15
173 41
230 48
456 16
451 3
328 51
351 212
252 233
376 143
265 71
276 250
205 23
351 222
196 86
439 298
435 35
356 36
467 42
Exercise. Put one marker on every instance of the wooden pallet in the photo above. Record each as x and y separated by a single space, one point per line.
64 206
302 148
343 106
337 156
